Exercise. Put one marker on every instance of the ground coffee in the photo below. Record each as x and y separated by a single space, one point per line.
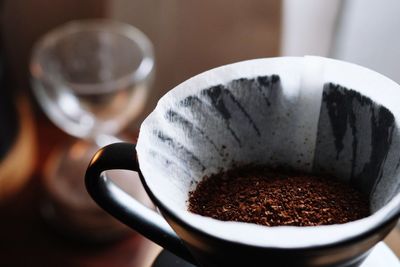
269 197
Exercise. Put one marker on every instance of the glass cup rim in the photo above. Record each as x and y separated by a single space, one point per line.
141 73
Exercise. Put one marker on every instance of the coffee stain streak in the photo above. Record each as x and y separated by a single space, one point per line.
169 161
178 147
337 112
354 142
241 108
342 106
267 82
382 127
173 116
215 95
398 164
382 134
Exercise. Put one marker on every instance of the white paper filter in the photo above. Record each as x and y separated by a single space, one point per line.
311 113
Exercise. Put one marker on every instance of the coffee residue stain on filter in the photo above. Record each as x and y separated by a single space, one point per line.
172 116
257 194
267 82
215 95
346 107
338 106
179 147
382 127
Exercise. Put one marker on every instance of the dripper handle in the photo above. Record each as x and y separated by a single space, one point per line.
124 207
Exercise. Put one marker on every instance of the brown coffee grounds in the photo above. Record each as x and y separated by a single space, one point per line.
262 196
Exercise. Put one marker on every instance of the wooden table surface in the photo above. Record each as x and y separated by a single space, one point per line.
27 240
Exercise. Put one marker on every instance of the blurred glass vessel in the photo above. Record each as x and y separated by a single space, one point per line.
91 77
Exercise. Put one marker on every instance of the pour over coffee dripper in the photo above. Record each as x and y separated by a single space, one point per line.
311 114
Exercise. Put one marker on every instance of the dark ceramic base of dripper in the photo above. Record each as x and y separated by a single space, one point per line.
168 259
380 256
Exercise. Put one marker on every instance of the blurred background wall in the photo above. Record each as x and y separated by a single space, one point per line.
368 33
193 36
24 21
365 32
188 36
